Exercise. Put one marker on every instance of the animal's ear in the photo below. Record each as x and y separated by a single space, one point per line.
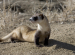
42 16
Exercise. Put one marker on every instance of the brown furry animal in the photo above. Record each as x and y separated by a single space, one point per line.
25 33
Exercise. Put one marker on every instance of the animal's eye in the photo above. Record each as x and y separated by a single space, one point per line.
35 18
42 17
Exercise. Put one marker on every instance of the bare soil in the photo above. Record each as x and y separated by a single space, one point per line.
61 42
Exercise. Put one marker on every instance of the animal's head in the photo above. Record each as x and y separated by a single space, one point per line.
38 18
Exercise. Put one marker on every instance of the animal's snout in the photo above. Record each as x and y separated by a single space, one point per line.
31 19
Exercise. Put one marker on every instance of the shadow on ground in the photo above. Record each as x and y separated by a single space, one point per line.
61 45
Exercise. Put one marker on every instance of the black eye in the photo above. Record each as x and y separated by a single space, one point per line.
35 18
42 16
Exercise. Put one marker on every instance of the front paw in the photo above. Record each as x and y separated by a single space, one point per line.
46 44
13 41
39 45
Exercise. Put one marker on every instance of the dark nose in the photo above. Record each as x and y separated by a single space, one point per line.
30 19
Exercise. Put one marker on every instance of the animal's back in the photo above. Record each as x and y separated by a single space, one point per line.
28 33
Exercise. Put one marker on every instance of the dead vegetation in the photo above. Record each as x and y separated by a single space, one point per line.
55 10
14 13
59 11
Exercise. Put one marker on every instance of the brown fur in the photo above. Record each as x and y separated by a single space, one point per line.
25 33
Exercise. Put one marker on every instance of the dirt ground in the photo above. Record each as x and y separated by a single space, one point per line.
61 41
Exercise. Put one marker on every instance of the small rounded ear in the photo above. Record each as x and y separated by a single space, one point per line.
42 16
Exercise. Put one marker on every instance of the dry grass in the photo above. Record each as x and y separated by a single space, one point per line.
6 17
65 15
9 19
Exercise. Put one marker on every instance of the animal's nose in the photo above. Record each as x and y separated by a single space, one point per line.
31 19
